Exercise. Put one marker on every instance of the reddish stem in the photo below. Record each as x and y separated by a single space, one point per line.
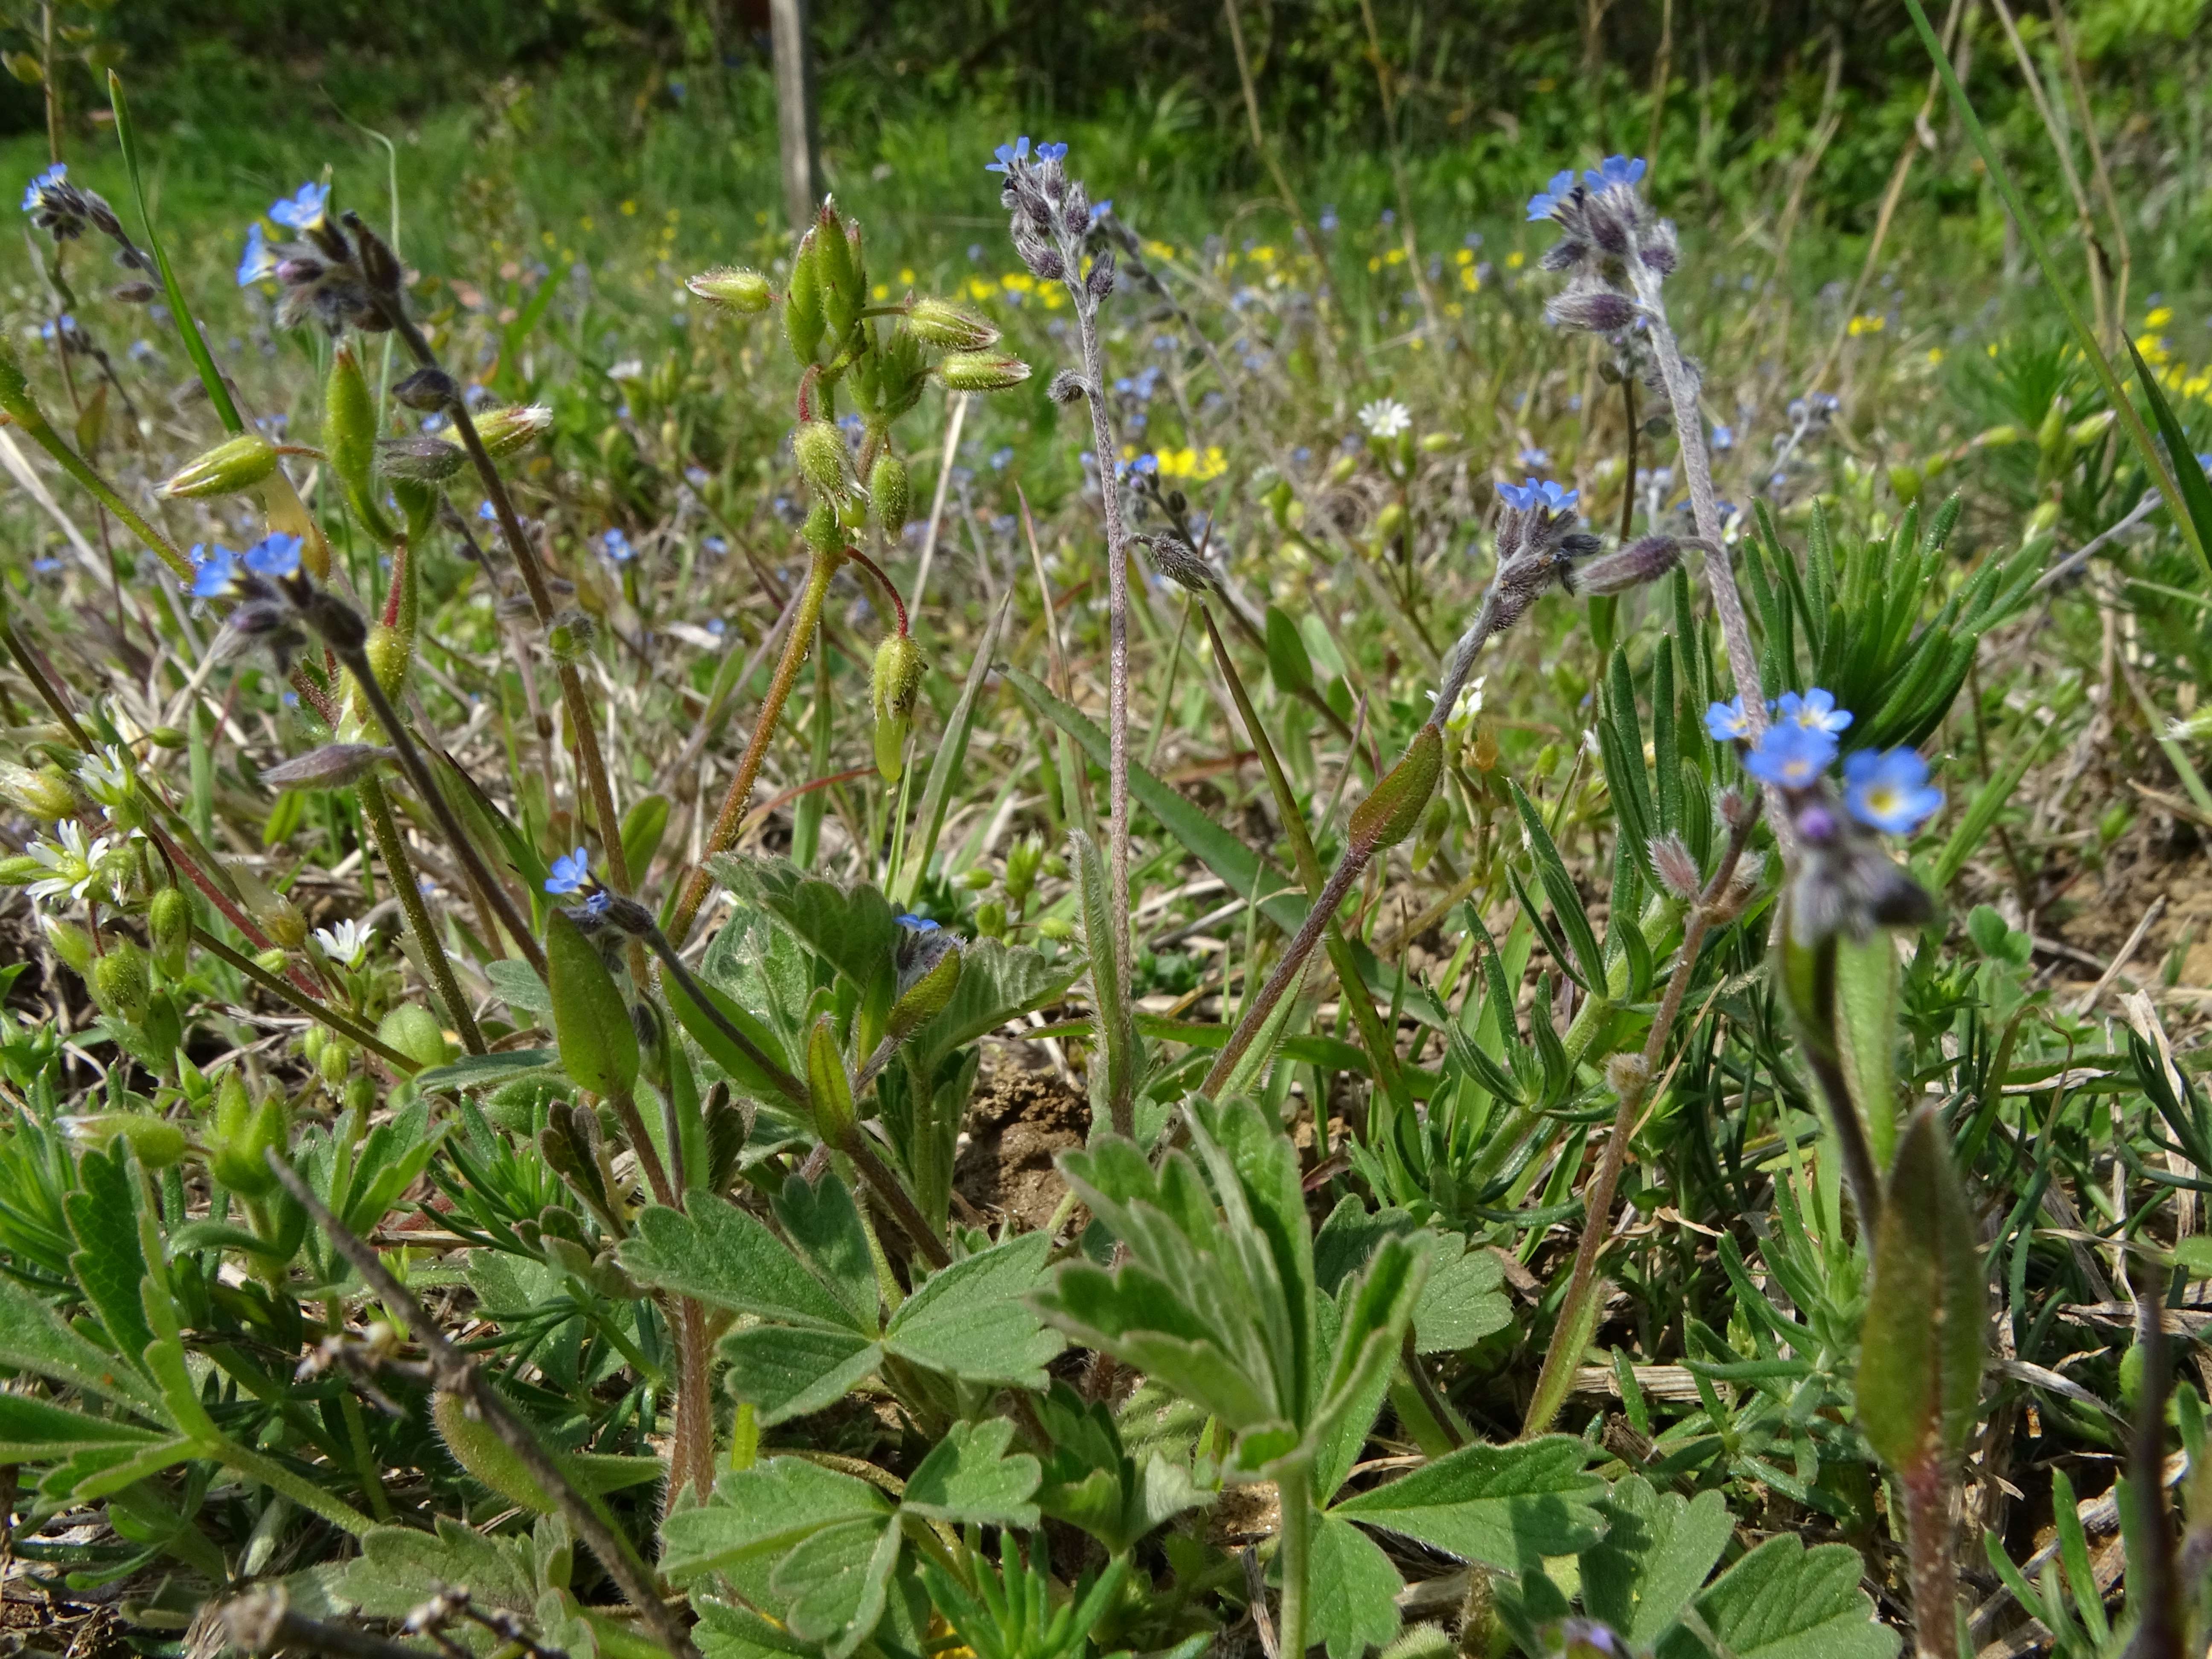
877 571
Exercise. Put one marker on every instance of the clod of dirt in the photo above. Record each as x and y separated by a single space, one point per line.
1017 1122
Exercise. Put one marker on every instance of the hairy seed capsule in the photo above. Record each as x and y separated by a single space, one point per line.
890 493
237 464
734 288
1390 812
819 449
169 927
950 327
981 371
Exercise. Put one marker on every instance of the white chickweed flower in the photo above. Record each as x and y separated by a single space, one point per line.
76 865
1386 417
346 943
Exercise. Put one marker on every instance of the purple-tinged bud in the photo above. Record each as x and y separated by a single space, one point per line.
1675 866
426 389
1737 810
734 288
950 327
981 371
137 292
1180 563
237 464
1595 310
1640 561
333 766
1098 282
1659 251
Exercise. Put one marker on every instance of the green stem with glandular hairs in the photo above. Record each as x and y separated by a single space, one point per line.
796 645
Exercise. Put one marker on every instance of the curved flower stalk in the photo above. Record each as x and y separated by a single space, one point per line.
1539 545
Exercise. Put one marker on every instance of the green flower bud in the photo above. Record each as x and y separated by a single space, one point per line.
1394 807
991 919
1906 483
313 1041
819 449
333 766
733 287
158 1142
510 430
20 871
415 1032
591 1021
803 322
822 531
896 686
981 371
844 289
349 440
237 464
890 493
569 638
270 960
167 737
926 998
45 794
1390 521
70 942
361 1094
829 1086
240 1132
1058 929
950 327
121 980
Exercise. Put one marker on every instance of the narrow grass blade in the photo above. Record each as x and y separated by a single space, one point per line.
936 794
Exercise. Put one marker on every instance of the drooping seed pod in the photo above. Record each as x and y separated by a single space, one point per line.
819 449
890 493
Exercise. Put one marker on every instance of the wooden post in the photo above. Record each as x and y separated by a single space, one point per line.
794 111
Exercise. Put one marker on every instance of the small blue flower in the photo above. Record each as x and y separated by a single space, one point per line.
1010 156
1052 152
1533 494
1099 209
1615 172
303 210
1791 755
1146 463
572 872
486 512
617 547
1534 457
216 573
1327 220
1727 722
715 546
1546 203
917 924
274 555
1724 437
717 627
258 263
39 187
1889 790
1816 711
600 903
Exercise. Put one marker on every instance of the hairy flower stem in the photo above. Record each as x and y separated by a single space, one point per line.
1294 1556
1380 1044
452 1371
376 806
1852 1147
796 645
1932 1569
1121 1107
574 699
1681 383
2154 1584
1565 1353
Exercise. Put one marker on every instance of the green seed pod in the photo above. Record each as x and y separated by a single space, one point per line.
415 1032
1391 809
311 1044
926 998
235 464
591 1021
950 327
890 493
981 371
803 322
158 1142
1389 521
1058 929
733 288
240 1132
336 1060
278 917
1906 483
167 737
121 981
821 530
70 942
361 1094
895 688
349 440
819 449
829 1086
169 928
991 919
45 794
